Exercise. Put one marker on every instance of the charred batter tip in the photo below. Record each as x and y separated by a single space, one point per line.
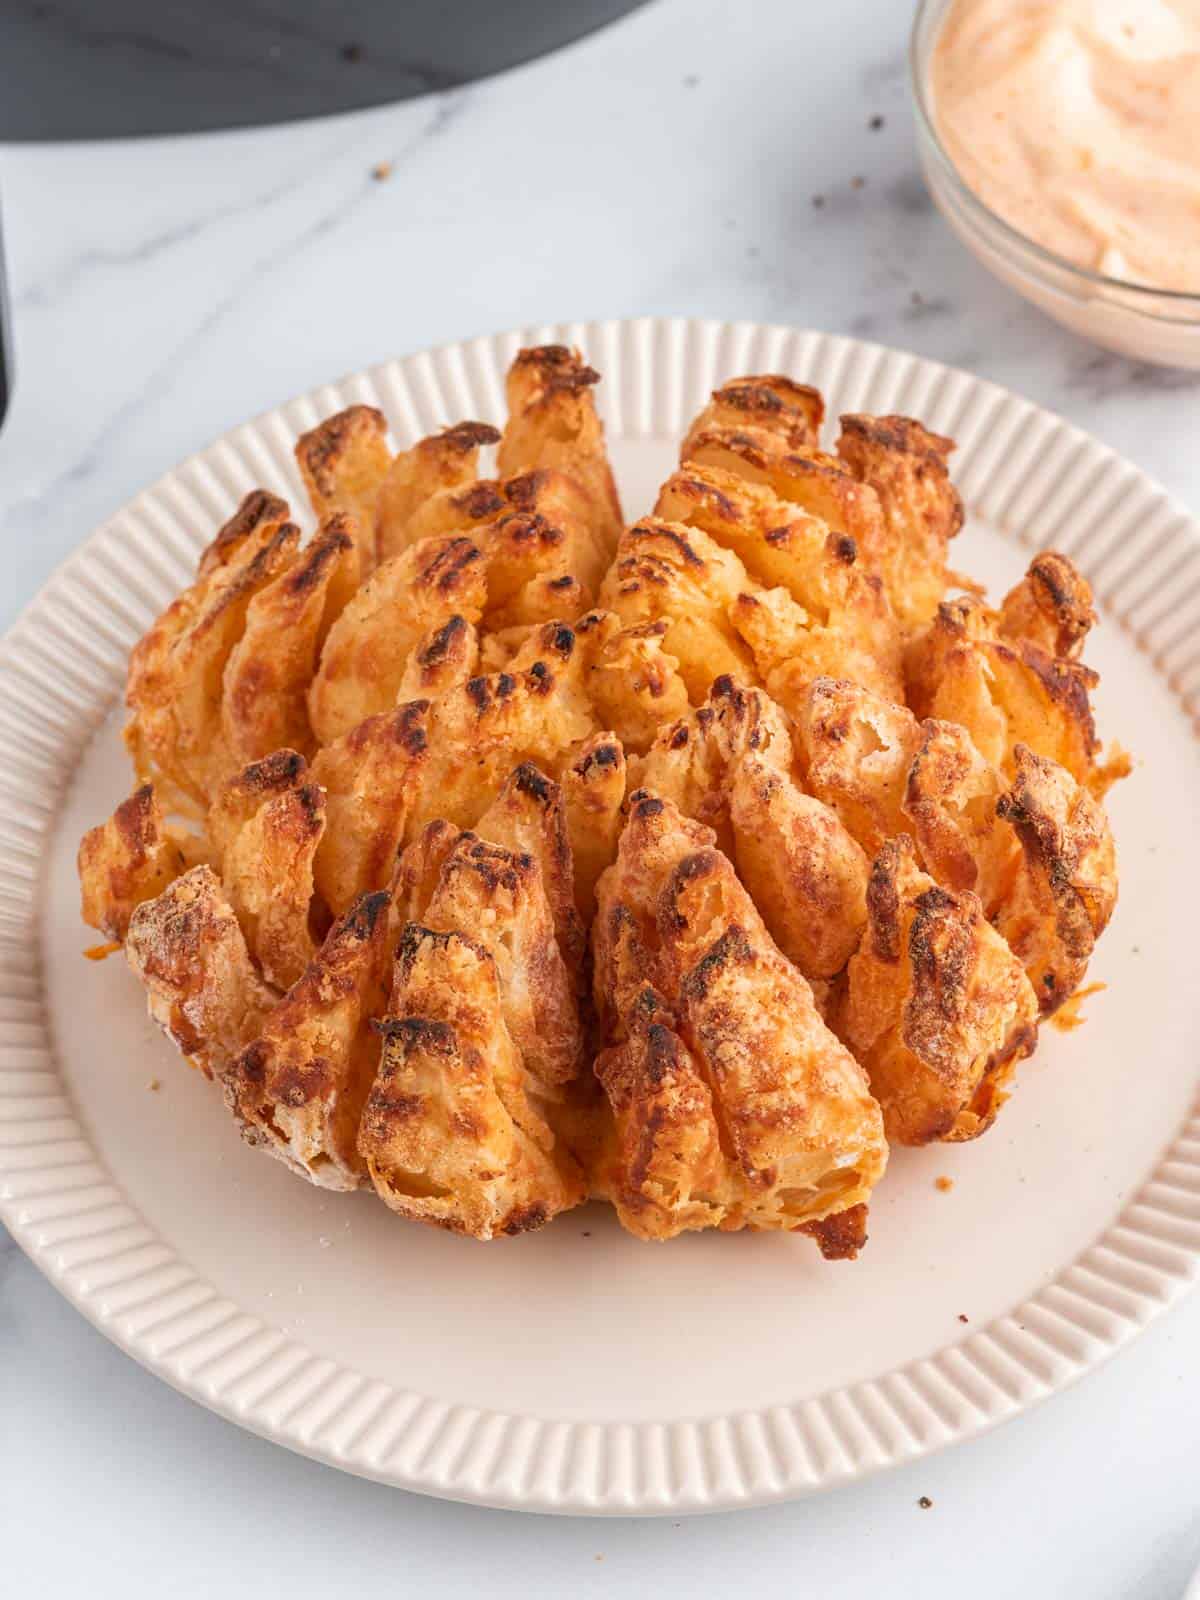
257 507
839 1238
251 1065
506 686
282 769
439 647
361 919
900 433
732 949
309 571
846 549
410 727
479 501
540 672
530 527
424 1033
643 805
530 781
565 582
525 1219
480 692
467 436
723 688
679 738
310 799
883 903
1067 683
664 530
320 447
450 562
562 640
749 397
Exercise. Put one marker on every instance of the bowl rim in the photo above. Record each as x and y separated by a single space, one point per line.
926 27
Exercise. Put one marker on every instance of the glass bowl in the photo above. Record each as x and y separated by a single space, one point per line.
1156 325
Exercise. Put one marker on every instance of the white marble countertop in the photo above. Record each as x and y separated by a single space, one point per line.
164 290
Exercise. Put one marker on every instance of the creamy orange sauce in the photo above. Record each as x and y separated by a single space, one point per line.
1078 122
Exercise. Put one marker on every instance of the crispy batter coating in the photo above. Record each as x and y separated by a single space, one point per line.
367 653
444 464
633 683
552 423
1004 691
731 765
906 466
670 573
864 818
847 618
299 1089
856 749
128 859
264 703
344 462
938 1009
734 1104
479 733
1065 889
265 825
441 661
371 779
529 816
451 1133
775 410
177 670
593 794
190 954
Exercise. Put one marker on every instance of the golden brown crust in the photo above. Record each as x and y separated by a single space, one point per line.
906 465
937 1008
451 1134
1065 888
593 794
469 721
446 463
299 1089
265 825
367 654
188 951
1003 691
176 677
733 1104
255 522
731 765
343 462
782 414
552 423
264 696
1050 607
128 859
371 779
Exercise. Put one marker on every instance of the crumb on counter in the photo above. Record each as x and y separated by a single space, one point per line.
962 1317
876 123
943 1184
818 201
101 952
858 183
381 171
925 1502
154 1085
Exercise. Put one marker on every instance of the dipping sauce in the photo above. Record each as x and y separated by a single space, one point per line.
1078 123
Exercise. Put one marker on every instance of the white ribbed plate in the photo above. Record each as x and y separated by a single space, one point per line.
576 1369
